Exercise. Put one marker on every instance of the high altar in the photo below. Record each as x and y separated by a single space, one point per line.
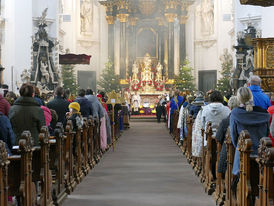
141 43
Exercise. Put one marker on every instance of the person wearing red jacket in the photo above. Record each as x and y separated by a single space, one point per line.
4 104
271 112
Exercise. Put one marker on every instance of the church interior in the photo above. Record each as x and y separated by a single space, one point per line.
137 102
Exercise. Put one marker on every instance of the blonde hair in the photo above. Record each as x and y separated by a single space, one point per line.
233 102
245 98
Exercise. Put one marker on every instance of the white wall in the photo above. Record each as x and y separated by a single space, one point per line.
94 44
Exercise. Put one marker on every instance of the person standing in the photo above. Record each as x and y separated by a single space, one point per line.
259 98
59 104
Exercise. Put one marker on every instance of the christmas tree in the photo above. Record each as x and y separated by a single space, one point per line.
223 84
69 78
109 81
185 81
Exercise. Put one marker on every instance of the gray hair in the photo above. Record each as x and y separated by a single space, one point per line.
245 97
254 80
1 92
233 102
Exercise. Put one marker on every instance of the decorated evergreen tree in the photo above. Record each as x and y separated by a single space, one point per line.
69 78
185 81
109 81
223 84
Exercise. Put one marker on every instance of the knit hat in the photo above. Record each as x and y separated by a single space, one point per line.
75 105
199 100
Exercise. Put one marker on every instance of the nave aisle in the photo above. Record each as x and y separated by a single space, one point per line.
147 169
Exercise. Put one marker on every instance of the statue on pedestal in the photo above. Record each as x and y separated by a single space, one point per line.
135 71
159 75
146 73
43 71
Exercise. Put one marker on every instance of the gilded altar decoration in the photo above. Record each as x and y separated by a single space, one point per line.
264 62
147 77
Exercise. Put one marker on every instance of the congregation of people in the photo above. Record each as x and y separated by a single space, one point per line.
250 109
30 111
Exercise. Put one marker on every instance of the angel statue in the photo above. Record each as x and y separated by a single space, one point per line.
159 70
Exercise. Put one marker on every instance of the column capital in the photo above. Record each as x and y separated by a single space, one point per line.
170 17
123 17
183 19
110 19
133 21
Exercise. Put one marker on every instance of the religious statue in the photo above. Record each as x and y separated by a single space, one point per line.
248 66
147 74
159 70
86 16
25 76
43 69
135 71
136 102
207 16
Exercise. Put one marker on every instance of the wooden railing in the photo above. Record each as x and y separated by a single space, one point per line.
256 176
45 174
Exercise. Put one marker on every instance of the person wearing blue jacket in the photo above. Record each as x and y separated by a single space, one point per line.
259 98
175 105
6 132
254 119
85 104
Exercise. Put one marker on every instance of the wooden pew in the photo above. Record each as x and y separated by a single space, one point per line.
244 195
57 165
77 156
266 163
3 174
21 185
70 182
219 194
91 128
84 147
209 153
45 178
230 199
188 141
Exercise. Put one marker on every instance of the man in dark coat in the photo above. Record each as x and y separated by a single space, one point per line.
26 114
85 105
4 104
59 104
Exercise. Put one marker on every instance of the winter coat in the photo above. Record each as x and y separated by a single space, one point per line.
26 114
39 101
47 114
6 133
174 106
220 137
214 113
255 122
259 98
97 110
272 130
4 106
270 110
85 106
60 105
77 121
197 136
